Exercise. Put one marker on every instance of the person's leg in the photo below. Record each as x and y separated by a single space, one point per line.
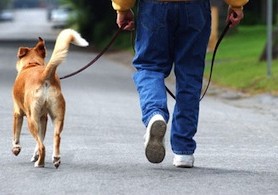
153 62
152 59
191 44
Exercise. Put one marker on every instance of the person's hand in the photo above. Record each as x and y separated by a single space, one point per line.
125 19
234 16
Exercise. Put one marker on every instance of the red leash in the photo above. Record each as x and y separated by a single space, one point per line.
226 29
169 92
98 56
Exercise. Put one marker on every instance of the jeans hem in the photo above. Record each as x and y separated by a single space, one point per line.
184 152
155 113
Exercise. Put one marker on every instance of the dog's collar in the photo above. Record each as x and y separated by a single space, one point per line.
32 64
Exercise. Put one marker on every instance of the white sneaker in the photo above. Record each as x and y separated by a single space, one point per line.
183 161
154 139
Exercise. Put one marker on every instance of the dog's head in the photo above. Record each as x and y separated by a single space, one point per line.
27 56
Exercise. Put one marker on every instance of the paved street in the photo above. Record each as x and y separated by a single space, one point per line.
28 24
102 143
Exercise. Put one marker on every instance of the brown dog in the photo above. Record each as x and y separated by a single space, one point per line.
37 94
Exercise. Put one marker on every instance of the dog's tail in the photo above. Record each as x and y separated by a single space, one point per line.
60 51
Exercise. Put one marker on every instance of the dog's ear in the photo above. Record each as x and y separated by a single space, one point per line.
40 48
22 51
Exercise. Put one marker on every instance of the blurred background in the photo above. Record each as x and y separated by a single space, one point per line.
246 60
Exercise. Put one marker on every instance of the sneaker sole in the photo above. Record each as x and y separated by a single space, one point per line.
183 165
155 150
186 163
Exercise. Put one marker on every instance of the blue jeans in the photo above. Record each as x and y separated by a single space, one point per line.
172 34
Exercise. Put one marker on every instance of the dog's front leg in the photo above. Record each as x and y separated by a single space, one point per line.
17 125
35 156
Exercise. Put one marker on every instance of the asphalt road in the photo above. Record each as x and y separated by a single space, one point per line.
102 142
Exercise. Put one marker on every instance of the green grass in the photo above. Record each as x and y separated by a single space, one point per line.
237 63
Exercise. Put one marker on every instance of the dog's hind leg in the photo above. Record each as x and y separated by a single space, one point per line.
58 127
57 113
33 125
42 131
17 125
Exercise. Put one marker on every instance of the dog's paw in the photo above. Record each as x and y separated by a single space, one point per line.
56 161
37 165
16 150
35 158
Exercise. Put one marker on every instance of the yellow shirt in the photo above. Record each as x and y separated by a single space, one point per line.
123 5
236 3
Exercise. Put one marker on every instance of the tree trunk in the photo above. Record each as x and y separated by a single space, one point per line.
274 47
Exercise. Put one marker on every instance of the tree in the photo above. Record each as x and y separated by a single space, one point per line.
263 56
95 20
4 4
